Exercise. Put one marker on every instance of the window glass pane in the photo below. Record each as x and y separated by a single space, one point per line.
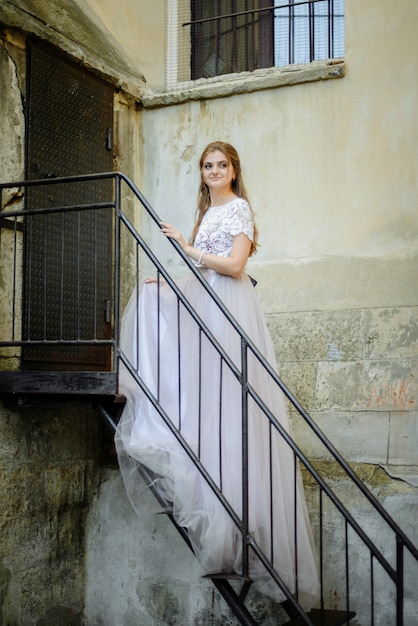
308 32
230 43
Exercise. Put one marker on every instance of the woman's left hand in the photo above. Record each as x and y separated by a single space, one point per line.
173 233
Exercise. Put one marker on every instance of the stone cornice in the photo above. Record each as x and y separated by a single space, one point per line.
246 82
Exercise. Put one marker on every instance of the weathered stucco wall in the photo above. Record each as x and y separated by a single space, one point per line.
140 571
49 474
331 170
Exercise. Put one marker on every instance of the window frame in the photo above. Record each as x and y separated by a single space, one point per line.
181 71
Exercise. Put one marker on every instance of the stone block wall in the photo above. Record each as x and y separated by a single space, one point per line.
355 372
49 474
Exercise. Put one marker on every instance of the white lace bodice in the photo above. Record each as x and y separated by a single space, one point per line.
221 224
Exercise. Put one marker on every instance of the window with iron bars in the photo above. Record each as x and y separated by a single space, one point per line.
216 37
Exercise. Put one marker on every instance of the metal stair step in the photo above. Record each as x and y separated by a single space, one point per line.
227 576
324 618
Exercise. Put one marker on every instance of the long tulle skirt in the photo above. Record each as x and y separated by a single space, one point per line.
200 393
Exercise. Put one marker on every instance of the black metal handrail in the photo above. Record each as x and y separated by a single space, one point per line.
394 571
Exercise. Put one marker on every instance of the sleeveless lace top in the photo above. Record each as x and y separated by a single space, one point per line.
221 224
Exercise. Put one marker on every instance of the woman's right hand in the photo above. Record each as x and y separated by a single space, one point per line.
172 233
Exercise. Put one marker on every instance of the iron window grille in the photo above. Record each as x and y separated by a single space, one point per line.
217 37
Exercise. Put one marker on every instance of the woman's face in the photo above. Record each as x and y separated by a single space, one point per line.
217 172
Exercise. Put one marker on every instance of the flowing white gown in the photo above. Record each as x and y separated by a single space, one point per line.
203 399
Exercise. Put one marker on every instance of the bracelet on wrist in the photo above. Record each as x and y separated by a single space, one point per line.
201 260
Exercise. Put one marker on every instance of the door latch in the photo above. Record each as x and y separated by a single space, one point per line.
107 312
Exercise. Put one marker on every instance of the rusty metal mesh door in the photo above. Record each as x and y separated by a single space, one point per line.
68 256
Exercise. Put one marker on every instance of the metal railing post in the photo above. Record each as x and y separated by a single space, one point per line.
244 400
116 276
399 581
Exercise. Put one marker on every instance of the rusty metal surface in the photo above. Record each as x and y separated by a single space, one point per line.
68 257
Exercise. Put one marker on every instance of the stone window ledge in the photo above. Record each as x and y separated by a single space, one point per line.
246 82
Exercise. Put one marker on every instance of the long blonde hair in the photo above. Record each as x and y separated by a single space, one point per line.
238 187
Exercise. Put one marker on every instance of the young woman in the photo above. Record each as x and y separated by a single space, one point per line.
202 396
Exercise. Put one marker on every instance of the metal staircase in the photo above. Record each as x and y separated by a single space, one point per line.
236 599
391 566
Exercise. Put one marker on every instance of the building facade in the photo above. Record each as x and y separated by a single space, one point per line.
330 159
